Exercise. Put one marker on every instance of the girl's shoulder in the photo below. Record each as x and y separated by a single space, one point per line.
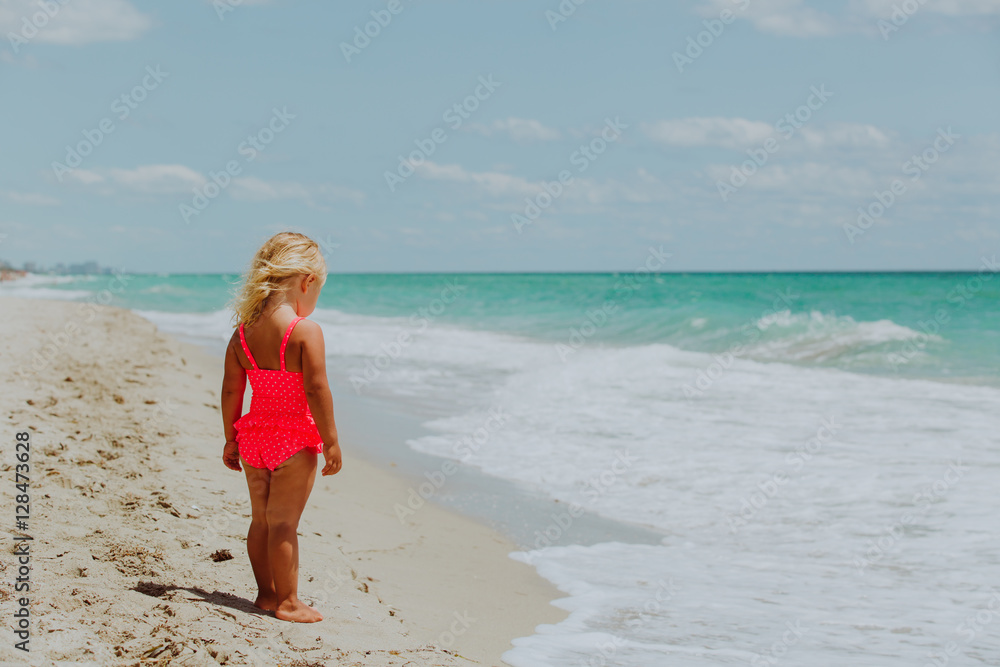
306 328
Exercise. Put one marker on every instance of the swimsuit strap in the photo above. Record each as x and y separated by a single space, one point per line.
284 342
247 349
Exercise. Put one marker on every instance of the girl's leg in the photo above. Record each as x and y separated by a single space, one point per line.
259 482
291 483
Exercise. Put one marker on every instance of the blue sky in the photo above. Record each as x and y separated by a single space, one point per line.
696 157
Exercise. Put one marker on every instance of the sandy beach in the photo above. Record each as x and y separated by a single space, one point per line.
130 500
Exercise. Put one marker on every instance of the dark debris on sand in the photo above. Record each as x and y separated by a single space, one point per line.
221 555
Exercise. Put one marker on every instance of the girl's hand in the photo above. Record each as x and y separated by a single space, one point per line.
333 462
231 456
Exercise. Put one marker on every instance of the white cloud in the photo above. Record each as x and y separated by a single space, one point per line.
74 22
885 8
796 18
166 179
817 179
85 176
522 130
959 178
736 133
965 7
252 188
24 60
155 179
255 189
778 17
977 232
340 193
493 182
158 178
844 135
806 178
643 188
582 195
742 133
31 198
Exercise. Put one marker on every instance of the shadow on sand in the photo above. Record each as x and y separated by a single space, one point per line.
217 598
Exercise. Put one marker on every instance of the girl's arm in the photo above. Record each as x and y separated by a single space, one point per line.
318 392
234 384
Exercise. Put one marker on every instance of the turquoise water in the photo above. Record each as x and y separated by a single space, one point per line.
871 323
814 449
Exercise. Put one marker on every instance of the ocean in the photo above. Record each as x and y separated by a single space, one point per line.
818 453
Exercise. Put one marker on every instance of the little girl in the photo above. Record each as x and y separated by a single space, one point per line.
290 419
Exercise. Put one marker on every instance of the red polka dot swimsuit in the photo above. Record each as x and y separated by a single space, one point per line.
279 423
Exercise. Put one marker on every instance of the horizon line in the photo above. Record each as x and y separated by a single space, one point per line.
539 272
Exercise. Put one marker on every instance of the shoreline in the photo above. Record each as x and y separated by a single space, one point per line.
521 514
130 499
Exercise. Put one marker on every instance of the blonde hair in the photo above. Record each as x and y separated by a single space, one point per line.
282 256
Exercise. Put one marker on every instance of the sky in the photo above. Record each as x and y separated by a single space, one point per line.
523 135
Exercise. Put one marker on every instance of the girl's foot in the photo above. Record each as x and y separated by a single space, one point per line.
297 611
266 601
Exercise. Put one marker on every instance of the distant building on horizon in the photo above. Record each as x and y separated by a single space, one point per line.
88 267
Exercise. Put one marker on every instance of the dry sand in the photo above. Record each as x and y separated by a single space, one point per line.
130 499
